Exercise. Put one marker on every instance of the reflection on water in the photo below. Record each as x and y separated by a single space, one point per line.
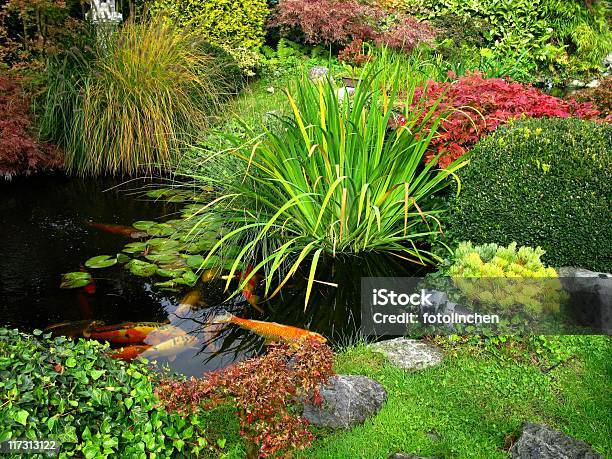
44 233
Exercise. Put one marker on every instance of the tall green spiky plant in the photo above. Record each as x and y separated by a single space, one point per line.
338 176
148 91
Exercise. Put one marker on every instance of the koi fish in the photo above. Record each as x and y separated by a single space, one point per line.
189 302
127 231
249 290
162 334
171 348
128 353
77 329
272 331
124 333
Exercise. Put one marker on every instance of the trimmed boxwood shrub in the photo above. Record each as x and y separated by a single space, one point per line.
544 182
94 406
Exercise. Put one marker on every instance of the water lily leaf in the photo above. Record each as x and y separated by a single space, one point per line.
188 278
135 247
163 243
122 258
143 225
162 257
101 261
168 285
173 273
75 280
160 229
141 268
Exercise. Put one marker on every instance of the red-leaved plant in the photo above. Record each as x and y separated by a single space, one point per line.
19 151
339 22
474 106
266 392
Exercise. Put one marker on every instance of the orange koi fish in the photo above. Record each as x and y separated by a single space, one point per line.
272 331
189 302
124 333
127 231
249 290
171 348
128 353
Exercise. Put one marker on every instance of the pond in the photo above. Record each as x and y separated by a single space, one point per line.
47 231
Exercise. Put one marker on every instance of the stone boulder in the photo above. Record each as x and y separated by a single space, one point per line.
347 401
539 441
590 296
409 354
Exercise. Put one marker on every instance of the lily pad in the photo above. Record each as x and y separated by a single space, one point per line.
160 229
101 261
135 247
172 273
75 280
162 257
141 268
143 225
122 258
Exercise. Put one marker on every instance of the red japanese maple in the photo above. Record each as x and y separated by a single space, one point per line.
474 106
19 150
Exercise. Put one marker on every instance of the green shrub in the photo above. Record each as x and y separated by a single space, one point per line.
93 405
544 182
238 26
546 29
147 90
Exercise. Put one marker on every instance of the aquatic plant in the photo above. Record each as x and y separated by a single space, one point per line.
131 107
335 177
265 392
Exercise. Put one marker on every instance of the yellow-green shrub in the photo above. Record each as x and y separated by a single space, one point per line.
238 26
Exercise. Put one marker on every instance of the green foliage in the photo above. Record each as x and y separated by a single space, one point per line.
489 275
543 182
335 177
238 26
94 406
146 91
546 29
491 260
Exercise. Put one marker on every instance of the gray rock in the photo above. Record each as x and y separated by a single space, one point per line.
409 354
593 84
343 92
318 72
347 401
590 296
607 62
576 84
539 441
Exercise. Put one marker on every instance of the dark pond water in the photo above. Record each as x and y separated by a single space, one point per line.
44 234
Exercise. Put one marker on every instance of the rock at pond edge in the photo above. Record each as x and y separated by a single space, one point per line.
409 354
348 400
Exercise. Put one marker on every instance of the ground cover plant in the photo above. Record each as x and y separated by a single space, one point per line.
475 105
266 392
20 151
352 180
133 104
541 183
95 406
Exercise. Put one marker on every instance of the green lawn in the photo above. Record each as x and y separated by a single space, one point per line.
472 403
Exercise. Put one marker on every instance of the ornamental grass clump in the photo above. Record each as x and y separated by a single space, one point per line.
146 90
336 177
